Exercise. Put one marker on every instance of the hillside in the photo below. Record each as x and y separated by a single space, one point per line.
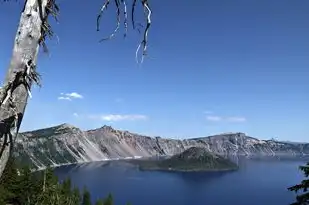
65 144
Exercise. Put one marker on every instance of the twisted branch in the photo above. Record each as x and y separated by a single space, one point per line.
132 13
144 42
103 8
117 3
147 11
46 30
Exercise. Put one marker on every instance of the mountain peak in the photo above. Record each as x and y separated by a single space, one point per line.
107 128
51 131
65 126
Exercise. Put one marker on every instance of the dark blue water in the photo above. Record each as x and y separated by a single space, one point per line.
255 183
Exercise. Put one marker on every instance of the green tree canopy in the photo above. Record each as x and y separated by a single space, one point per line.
21 186
303 186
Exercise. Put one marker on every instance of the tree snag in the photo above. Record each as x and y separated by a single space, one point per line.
21 74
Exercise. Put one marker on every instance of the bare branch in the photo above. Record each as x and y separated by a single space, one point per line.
133 19
147 11
125 18
46 30
144 42
132 13
104 7
117 3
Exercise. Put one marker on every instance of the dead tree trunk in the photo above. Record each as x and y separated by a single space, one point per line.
20 75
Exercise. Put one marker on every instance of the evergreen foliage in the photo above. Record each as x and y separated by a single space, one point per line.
108 200
302 199
20 186
86 197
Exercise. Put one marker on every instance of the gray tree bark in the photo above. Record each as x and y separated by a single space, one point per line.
20 75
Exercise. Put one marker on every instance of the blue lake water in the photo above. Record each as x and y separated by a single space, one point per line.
255 183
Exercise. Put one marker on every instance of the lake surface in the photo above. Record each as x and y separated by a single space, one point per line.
257 182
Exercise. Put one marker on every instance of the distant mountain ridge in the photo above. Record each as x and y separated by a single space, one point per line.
66 144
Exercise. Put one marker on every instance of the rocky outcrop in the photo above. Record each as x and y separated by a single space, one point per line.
66 144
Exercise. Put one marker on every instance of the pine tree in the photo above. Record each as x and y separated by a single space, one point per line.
50 189
8 182
99 202
66 186
25 184
109 200
76 197
86 197
302 199
19 185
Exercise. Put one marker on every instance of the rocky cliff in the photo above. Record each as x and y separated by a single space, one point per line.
65 144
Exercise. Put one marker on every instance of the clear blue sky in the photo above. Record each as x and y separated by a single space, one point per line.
213 67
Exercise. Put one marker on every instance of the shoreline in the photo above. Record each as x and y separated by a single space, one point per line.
141 157
85 162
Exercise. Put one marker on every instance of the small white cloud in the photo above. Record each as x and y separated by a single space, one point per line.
117 117
70 96
74 95
214 118
75 114
64 98
236 119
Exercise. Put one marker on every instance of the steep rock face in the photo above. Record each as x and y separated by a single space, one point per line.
66 144
63 144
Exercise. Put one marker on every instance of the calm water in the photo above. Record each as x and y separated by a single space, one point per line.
256 183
